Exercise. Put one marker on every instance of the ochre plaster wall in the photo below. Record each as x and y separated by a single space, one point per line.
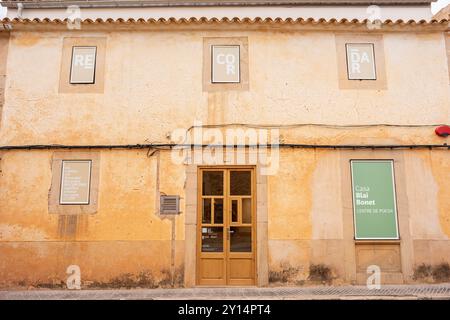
152 86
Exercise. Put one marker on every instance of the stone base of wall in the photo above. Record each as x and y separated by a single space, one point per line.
103 264
338 262
148 264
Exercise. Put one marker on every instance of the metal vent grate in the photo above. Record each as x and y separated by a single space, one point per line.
170 205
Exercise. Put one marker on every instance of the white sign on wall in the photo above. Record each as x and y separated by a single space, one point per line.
226 64
75 181
361 61
83 65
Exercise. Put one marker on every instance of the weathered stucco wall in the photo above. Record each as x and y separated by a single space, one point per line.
125 236
307 223
293 79
153 85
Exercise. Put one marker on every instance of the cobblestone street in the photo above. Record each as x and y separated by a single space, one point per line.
441 291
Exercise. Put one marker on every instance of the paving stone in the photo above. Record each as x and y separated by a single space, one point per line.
440 291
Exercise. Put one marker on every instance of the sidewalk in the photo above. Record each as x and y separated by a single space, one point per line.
440 291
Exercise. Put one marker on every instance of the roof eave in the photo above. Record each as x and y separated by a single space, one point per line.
212 23
53 4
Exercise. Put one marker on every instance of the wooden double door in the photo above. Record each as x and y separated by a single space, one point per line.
226 226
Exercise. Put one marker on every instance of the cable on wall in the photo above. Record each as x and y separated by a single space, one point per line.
169 146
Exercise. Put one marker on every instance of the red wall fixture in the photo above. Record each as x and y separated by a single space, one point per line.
442 131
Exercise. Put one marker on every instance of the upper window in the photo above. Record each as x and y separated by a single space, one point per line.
225 64
361 61
83 65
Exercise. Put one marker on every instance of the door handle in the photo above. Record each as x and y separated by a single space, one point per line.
229 231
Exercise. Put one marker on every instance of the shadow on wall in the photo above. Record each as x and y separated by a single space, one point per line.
322 274
288 275
145 279
432 273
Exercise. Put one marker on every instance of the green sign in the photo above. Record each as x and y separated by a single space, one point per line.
374 205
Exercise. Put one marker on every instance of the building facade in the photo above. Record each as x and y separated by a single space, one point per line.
256 150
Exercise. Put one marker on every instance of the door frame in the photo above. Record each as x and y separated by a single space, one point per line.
226 225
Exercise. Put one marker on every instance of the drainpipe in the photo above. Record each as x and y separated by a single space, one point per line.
170 218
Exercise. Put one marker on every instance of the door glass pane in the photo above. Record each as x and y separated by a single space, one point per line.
240 183
212 183
218 210
234 211
206 212
246 210
240 239
212 239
